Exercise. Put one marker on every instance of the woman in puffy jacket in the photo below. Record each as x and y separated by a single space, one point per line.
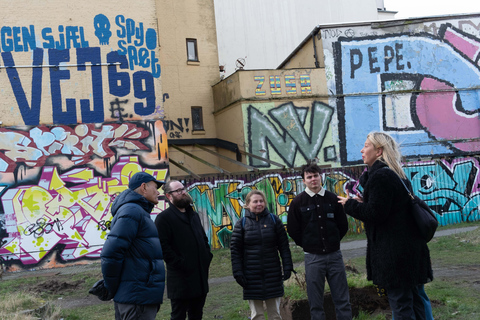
257 240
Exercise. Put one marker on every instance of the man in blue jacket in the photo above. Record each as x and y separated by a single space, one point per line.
132 258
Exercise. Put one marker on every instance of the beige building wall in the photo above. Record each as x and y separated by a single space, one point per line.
185 83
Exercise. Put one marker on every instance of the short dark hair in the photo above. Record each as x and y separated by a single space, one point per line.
310 167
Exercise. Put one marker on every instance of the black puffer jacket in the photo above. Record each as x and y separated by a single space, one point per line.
255 247
397 256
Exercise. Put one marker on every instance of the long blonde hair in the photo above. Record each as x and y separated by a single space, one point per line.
391 155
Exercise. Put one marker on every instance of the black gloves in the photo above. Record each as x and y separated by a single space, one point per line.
287 274
241 281
100 291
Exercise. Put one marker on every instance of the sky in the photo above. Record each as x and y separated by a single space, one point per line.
423 8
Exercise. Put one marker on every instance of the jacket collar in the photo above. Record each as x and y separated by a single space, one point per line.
253 215
312 194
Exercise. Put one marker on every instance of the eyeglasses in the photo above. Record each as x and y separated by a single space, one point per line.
181 190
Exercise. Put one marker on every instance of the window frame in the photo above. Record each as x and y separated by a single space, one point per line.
195 46
200 114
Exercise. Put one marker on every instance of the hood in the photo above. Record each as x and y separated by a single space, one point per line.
130 196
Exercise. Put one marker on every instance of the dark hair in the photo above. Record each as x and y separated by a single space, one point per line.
310 167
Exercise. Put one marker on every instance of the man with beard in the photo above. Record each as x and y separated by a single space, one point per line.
186 252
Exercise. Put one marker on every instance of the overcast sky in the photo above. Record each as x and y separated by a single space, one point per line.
423 8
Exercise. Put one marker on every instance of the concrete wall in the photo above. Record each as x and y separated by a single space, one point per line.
81 108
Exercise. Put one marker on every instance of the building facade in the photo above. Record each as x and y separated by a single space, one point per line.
83 109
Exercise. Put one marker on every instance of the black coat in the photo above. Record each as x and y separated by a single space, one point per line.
255 248
318 223
397 256
186 252
132 264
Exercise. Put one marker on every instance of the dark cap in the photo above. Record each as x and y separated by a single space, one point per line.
142 177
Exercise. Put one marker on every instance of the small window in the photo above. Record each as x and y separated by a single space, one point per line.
197 119
192 53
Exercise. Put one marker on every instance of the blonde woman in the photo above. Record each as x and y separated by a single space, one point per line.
398 258
257 240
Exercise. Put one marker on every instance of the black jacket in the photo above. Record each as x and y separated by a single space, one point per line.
186 252
318 223
255 246
132 264
397 256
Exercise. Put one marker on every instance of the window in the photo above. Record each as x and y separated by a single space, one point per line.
197 119
192 53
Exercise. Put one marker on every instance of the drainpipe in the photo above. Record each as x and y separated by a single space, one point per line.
314 33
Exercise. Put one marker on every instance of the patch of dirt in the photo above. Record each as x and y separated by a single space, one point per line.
365 299
54 286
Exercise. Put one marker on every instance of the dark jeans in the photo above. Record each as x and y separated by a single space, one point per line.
135 311
407 303
193 306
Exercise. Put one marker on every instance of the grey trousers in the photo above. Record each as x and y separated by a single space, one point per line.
330 266
135 311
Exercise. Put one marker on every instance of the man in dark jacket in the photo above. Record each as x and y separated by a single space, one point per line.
317 223
132 264
187 253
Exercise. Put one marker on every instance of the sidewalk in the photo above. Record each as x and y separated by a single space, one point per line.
352 249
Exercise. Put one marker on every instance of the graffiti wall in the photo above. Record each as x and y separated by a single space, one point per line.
450 188
302 128
418 82
96 66
80 116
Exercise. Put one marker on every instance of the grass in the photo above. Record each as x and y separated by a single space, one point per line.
26 306
454 298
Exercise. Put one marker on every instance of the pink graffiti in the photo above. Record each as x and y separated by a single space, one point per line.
80 142
439 115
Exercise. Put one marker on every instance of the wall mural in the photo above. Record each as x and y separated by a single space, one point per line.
419 83
450 188
270 130
80 116
112 59
58 182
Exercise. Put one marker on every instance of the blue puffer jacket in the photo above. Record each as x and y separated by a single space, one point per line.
132 258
